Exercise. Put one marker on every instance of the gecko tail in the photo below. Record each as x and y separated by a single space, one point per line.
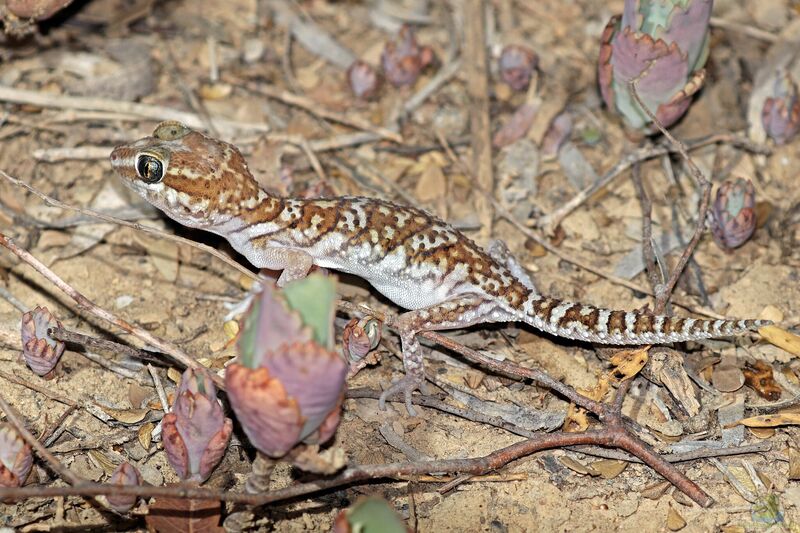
605 326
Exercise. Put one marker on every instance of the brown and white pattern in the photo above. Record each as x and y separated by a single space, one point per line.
414 259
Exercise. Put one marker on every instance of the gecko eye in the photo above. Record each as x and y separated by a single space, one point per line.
149 168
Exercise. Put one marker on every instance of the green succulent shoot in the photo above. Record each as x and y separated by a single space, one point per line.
663 45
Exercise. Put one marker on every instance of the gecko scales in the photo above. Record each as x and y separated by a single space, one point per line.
419 262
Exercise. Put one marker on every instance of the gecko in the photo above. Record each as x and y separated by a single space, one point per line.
441 277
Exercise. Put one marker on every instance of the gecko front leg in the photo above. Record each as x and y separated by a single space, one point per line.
295 264
457 312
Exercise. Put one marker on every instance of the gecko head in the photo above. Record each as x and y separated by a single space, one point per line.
196 180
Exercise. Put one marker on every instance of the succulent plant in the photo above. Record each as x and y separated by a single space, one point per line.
36 9
781 111
404 59
733 213
288 385
124 474
663 45
195 433
16 458
41 352
363 80
360 336
369 513
517 64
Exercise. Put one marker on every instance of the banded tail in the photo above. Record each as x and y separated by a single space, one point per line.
585 322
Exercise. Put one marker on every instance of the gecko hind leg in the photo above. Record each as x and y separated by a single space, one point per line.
498 250
458 312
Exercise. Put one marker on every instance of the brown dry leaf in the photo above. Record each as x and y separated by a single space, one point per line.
609 468
174 374
771 421
431 184
577 466
675 521
102 460
762 433
656 490
126 416
576 420
733 529
781 338
628 363
794 463
727 376
473 379
163 254
145 435
137 394
215 91
758 376
183 515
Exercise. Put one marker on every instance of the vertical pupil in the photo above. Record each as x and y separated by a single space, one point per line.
150 169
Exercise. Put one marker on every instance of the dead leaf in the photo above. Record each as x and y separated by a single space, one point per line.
102 460
628 363
609 468
781 338
656 490
184 515
163 254
727 376
794 463
758 376
145 435
771 421
762 433
675 521
126 416
431 184
137 394
577 466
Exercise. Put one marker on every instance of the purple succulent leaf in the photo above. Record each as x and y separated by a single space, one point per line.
198 419
215 449
16 458
363 80
733 213
177 454
41 352
781 112
517 64
269 324
312 376
689 28
271 420
125 475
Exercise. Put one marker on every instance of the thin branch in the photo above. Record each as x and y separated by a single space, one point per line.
702 211
84 303
49 200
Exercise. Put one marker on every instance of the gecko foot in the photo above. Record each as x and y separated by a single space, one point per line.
407 385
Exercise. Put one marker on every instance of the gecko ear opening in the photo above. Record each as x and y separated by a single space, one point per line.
170 130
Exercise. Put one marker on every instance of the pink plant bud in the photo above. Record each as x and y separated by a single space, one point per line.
295 396
733 213
15 457
41 352
403 60
36 9
125 474
360 336
781 111
363 80
517 64
196 432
